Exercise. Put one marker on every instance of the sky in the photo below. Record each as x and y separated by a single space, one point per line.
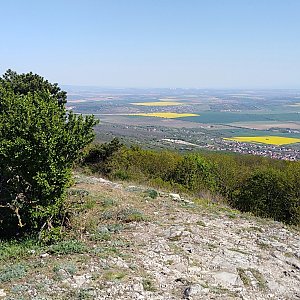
154 43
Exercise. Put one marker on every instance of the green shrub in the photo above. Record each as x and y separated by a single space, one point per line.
17 249
39 143
268 193
151 193
120 174
98 154
131 215
70 268
194 172
263 186
68 247
12 272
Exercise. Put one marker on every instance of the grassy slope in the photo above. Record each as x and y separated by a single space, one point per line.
123 244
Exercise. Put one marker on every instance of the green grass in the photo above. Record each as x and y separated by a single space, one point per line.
131 215
148 285
153 194
114 275
12 272
238 251
69 267
68 247
18 249
108 202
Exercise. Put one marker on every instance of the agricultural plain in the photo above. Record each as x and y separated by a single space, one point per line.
205 118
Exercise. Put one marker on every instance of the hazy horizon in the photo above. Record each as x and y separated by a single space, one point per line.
176 88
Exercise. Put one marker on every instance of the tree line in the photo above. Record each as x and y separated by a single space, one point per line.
263 186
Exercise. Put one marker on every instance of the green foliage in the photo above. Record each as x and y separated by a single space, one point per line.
148 285
122 175
140 165
22 84
39 143
100 153
51 235
194 172
12 272
131 215
268 193
70 268
229 173
265 187
114 275
68 247
17 249
153 194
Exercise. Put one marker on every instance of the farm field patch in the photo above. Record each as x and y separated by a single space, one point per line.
259 125
230 117
167 115
271 140
162 103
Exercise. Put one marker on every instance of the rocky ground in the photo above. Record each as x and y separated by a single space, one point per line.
130 242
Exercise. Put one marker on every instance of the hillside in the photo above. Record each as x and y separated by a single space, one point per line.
130 242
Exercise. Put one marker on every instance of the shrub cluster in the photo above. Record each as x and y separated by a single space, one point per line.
265 187
40 140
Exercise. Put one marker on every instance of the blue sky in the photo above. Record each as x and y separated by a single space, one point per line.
154 43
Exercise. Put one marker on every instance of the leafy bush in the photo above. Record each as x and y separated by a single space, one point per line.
98 154
39 143
153 194
194 172
268 193
22 84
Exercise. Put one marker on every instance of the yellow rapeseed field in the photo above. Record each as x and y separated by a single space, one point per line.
167 115
163 103
272 140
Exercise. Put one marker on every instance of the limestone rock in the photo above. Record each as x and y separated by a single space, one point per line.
228 279
175 197
192 290
2 293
